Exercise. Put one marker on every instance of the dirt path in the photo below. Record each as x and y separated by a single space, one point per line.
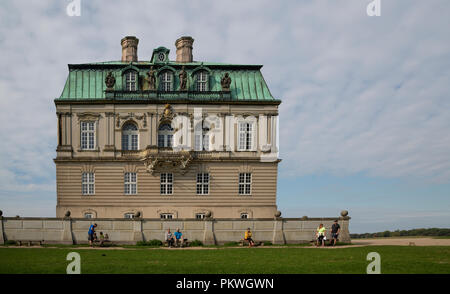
402 242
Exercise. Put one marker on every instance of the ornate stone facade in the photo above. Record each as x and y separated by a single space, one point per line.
166 152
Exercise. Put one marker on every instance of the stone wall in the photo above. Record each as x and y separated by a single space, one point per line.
129 231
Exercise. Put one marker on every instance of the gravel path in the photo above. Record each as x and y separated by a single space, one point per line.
402 242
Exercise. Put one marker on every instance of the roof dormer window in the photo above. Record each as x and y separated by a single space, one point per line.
202 81
130 80
166 79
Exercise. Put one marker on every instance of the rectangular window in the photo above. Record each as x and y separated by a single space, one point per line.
245 182
128 215
88 215
130 183
166 183
202 81
200 215
203 184
166 81
130 81
166 216
245 136
87 135
202 141
87 183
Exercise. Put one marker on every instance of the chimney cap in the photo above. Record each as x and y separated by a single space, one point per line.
184 38
129 38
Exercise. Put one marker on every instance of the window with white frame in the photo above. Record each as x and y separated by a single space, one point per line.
244 215
130 137
245 136
200 215
87 183
166 183
130 80
88 215
201 138
166 79
202 81
165 135
130 183
128 215
166 216
202 183
245 183
87 135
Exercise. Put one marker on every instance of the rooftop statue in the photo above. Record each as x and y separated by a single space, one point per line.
183 79
226 82
110 81
151 79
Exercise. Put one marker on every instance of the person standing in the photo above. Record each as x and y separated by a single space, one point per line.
91 233
335 230
320 234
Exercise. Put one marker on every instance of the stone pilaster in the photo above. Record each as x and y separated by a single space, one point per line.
67 237
2 235
344 235
209 238
278 235
137 230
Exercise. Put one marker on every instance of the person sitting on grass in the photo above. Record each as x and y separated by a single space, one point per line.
248 238
320 234
179 240
169 238
91 234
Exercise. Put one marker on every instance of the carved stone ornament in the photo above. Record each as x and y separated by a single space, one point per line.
110 81
129 115
156 161
183 79
225 82
88 116
167 113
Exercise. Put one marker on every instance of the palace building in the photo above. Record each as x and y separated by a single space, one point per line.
166 139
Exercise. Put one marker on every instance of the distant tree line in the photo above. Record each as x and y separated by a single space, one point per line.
398 233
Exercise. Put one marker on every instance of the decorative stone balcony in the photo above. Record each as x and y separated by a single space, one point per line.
169 95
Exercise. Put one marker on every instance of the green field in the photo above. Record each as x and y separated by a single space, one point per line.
394 259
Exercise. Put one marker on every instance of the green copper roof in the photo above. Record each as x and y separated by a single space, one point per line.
87 81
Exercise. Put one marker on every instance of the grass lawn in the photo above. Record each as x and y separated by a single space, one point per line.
394 259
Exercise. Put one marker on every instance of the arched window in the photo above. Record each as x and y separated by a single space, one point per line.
166 81
130 80
129 137
165 135
202 81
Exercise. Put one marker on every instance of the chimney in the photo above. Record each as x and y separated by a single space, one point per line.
184 49
129 48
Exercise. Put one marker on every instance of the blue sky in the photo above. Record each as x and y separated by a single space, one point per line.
365 118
